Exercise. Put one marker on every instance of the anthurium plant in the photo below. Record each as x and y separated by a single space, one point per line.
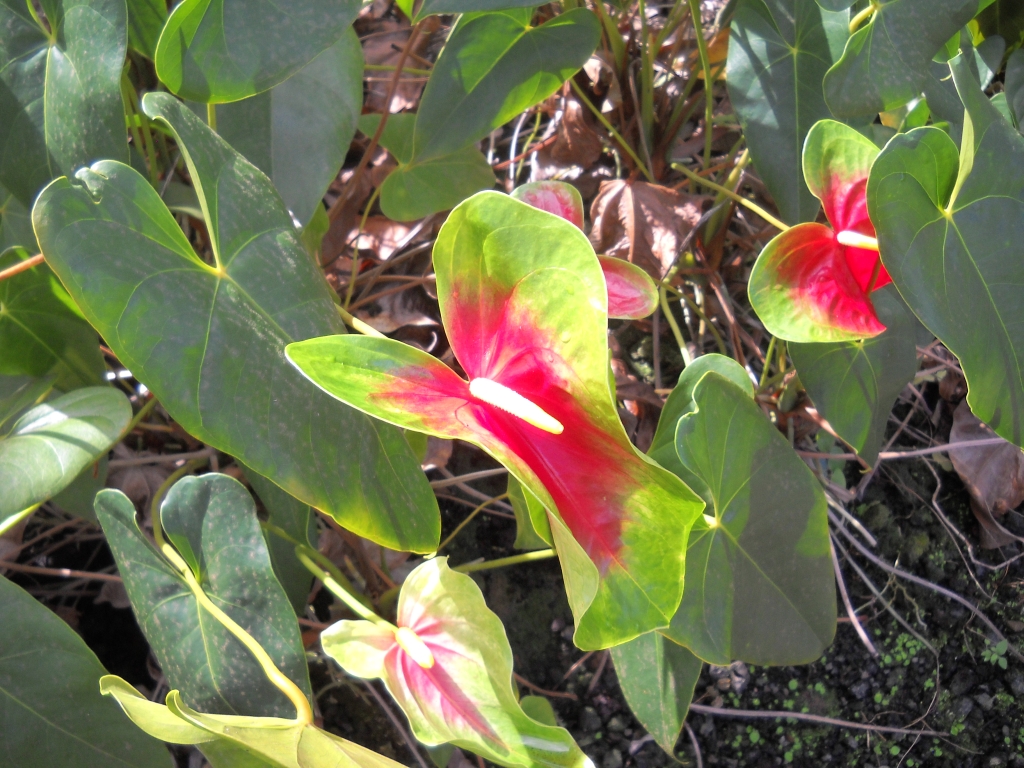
188 196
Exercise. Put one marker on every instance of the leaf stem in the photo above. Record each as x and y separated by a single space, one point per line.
158 498
11 521
674 325
336 589
501 562
357 324
469 517
211 116
354 274
861 17
137 419
21 266
611 130
748 204
705 64
767 365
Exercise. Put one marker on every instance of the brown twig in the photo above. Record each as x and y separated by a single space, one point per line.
808 718
60 573
544 692
22 266
536 147
884 455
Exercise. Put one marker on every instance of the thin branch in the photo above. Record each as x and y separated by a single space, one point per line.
757 714
849 607
60 573
22 266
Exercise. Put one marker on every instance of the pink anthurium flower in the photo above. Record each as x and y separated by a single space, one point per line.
448 665
523 302
631 292
813 282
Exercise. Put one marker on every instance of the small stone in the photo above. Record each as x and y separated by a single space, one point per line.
612 760
963 707
995 761
739 675
616 724
590 721
984 701
1016 680
860 690
717 673
557 625
723 683
962 682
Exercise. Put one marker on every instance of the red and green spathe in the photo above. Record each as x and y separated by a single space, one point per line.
524 305
814 282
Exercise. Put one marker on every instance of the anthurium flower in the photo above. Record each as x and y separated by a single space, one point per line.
448 665
813 282
524 305
631 292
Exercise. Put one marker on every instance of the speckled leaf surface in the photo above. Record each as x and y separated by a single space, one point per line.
42 332
219 367
50 706
230 741
299 148
464 695
886 61
951 229
225 50
854 384
657 677
212 521
60 98
779 51
50 444
759 582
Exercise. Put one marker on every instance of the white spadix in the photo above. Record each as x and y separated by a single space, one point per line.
856 240
502 397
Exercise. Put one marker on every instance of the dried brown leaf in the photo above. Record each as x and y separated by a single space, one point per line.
577 143
643 223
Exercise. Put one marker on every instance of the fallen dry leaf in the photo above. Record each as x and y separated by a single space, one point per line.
137 483
599 68
577 143
643 223
993 474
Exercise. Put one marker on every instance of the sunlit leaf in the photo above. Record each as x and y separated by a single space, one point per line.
532 528
42 332
854 384
299 147
951 228
779 51
60 97
49 445
493 67
219 368
226 50
759 583
212 521
886 61
453 677
50 706
657 677
523 303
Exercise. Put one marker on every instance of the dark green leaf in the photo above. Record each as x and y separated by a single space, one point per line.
297 520
50 704
18 393
494 66
145 22
52 443
854 383
1004 18
41 330
1013 85
657 677
299 146
886 61
779 51
60 98
216 517
418 188
219 368
759 583
15 223
225 50
943 100
951 230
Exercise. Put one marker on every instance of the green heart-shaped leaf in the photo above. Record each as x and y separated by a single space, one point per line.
212 521
951 230
493 67
759 583
225 50
779 51
657 677
219 367
240 742
146 20
886 62
418 188
52 711
51 444
461 691
60 92
854 383
42 332
299 148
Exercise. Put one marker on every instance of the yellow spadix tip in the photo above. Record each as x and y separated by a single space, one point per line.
410 642
500 396
856 240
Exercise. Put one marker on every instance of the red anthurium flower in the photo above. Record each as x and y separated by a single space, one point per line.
813 282
523 302
448 665
631 292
